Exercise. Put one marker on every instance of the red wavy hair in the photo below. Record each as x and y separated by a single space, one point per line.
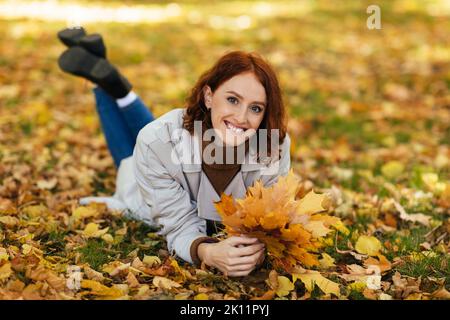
228 66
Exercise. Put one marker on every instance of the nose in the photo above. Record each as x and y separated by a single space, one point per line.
241 117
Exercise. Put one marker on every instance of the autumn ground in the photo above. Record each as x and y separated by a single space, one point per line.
368 116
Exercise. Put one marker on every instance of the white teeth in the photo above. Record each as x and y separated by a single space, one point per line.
234 129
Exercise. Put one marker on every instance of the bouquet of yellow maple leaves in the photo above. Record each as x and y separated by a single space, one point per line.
292 228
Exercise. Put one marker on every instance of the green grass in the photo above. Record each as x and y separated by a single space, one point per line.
27 128
95 254
437 266
99 183
54 242
407 241
356 295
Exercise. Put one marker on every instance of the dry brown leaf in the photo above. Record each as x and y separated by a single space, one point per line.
268 295
441 293
91 274
132 280
382 262
9 221
165 283
416 217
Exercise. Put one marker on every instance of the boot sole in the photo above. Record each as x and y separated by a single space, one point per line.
80 62
71 36
94 44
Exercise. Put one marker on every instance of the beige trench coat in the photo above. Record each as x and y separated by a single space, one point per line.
163 183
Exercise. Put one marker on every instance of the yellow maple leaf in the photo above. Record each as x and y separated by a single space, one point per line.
108 238
92 231
392 169
250 221
327 261
317 229
180 271
330 221
297 233
183 296
368 245
302 255
3 254
99 289
273 220
5 271
26 249
309 278
339 225
201 296
84 212
311 203
227 206
36 211
284 286
151 260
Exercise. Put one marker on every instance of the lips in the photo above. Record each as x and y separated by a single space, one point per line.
234 128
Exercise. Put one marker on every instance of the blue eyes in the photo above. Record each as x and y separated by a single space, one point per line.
232 99
255 108
258 109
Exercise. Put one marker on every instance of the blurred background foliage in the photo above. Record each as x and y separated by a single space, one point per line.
345 86
368 109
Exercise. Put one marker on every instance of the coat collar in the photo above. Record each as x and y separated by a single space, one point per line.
207 196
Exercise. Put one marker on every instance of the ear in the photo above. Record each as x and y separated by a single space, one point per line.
207 95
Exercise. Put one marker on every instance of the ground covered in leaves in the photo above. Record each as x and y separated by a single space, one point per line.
368 117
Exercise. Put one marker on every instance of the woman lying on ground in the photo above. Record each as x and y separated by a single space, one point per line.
170 173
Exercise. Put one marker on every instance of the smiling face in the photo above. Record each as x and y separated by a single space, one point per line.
237 107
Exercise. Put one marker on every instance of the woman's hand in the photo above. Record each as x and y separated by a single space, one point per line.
234 256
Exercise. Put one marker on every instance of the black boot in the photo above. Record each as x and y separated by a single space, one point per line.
94 44
71 36
80 62
77 37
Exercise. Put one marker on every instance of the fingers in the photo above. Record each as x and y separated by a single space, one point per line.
242 267
235 240
249 250
239 273
254 258
260 260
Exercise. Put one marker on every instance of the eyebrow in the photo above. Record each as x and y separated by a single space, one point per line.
258 102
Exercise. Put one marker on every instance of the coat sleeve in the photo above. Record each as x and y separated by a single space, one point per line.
281 168
170 205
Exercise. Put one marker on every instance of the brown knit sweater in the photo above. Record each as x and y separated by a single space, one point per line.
220 175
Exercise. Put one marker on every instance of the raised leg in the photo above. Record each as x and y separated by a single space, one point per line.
118 136
136 115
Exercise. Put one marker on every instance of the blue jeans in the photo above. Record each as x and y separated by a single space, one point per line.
121 125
